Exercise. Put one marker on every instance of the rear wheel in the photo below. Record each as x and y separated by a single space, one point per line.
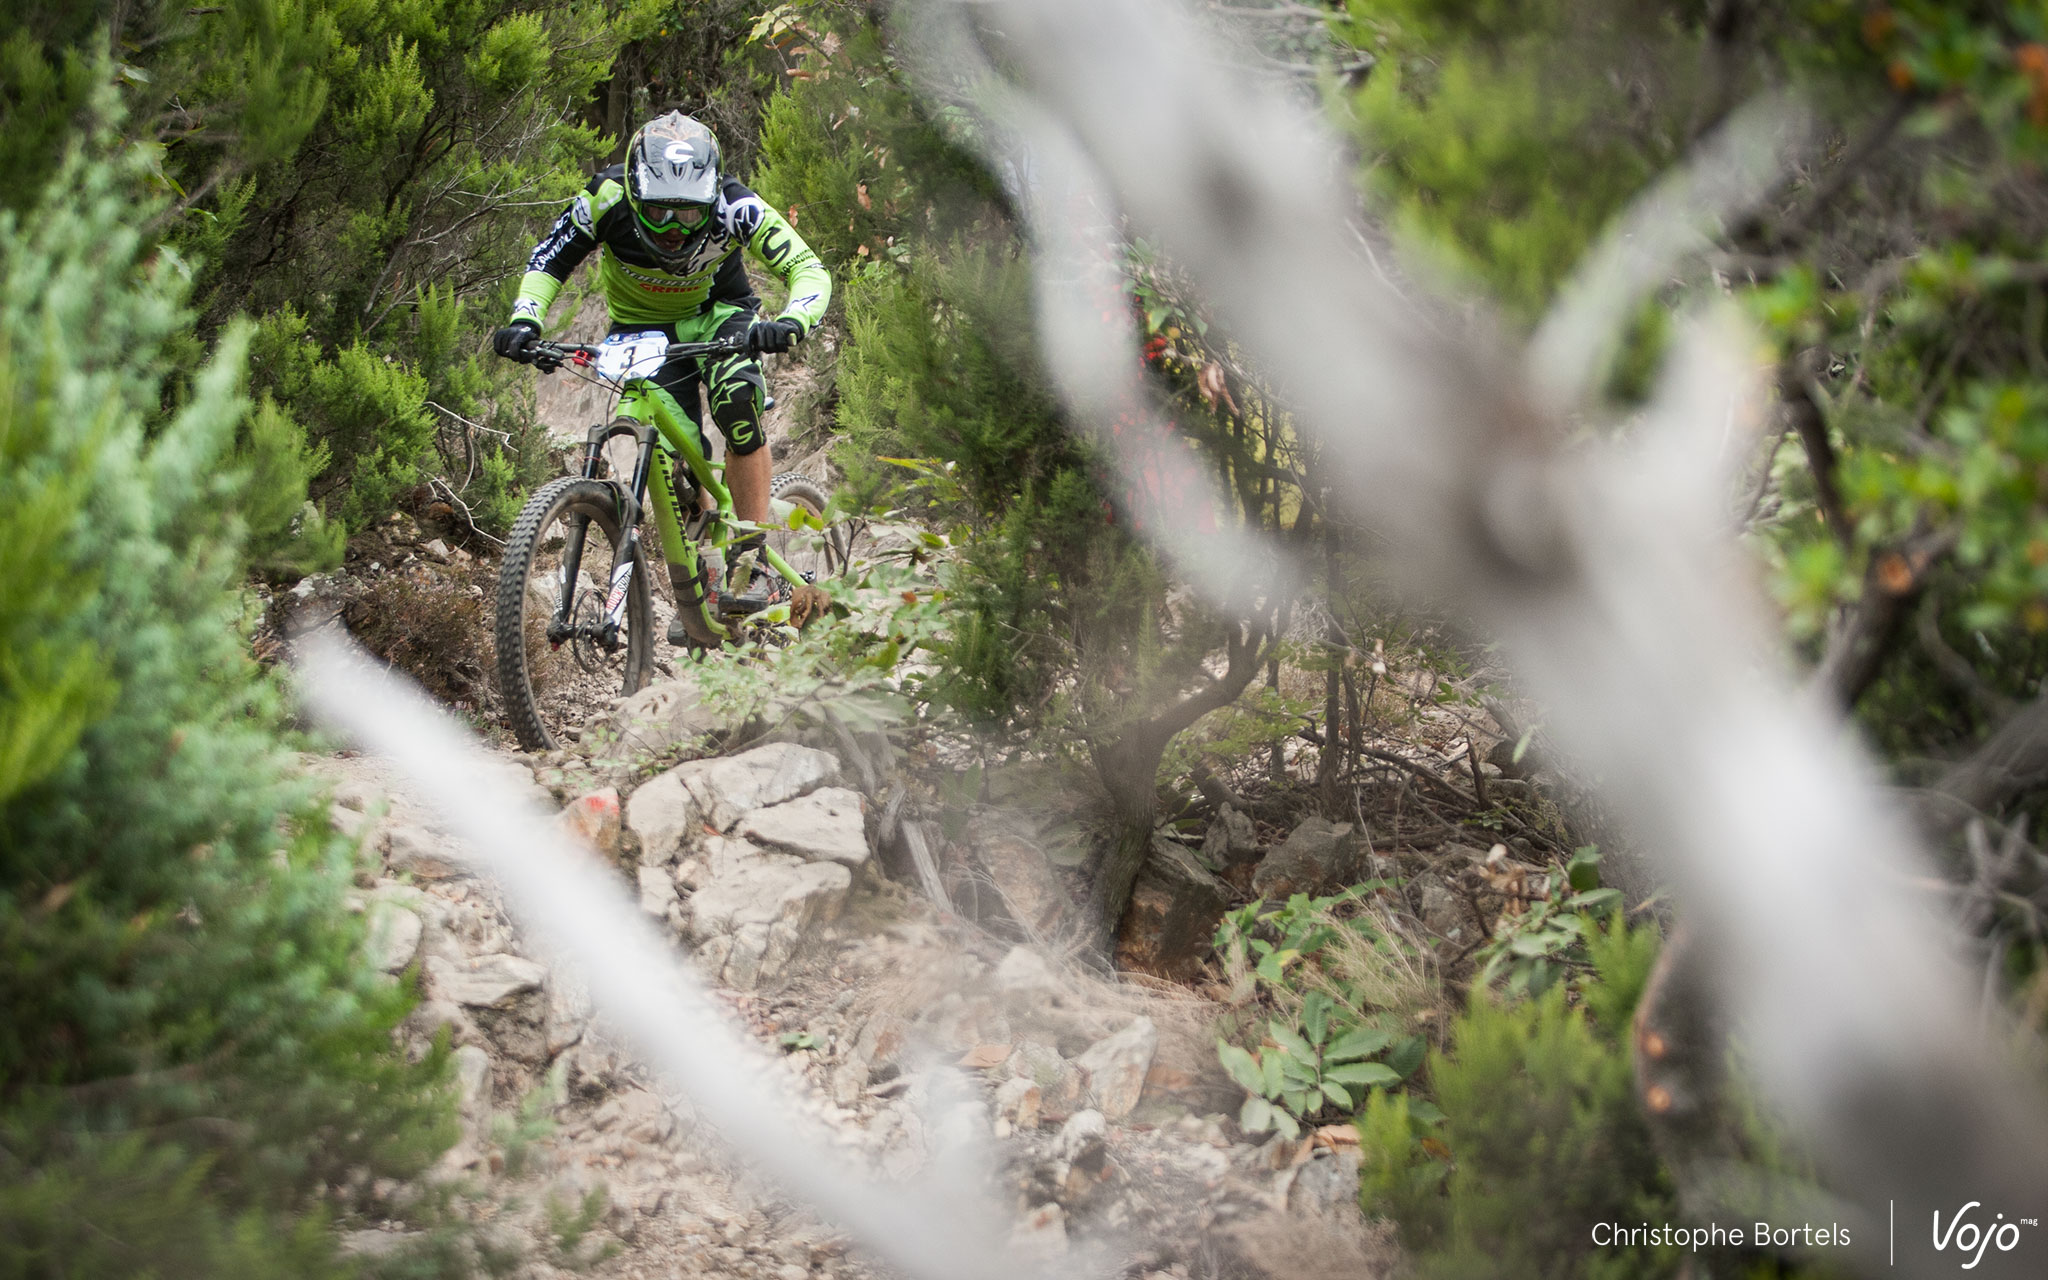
556 668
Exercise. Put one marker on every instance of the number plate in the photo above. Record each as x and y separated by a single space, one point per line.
631 355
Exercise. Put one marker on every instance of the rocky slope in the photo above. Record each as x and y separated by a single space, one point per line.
1110 1126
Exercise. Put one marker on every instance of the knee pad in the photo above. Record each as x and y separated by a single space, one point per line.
737 390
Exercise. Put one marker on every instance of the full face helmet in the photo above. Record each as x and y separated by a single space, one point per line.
671 183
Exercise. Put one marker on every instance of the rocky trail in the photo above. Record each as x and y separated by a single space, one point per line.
1109 1122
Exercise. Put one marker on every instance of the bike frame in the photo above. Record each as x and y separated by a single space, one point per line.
642 412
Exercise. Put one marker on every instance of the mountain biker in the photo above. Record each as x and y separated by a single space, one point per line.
672 227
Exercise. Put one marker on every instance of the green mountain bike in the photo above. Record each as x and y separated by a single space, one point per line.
575 612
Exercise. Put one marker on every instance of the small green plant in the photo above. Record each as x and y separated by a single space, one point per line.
1301 1071
1344 991
1300 927
798 1041
1546 938
569 1226
517 1133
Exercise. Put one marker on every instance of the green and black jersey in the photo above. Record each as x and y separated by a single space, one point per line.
639 290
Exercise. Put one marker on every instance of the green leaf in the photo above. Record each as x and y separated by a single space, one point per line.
1363 1073
1584 868
1286 1125
1290 1039
1336 1092
1271 1081
1273 967
1241 1066
1297 1101
1424 1110
1360 1042
1406 1057
1297 1070
1595 902
1256 1116
1315 1016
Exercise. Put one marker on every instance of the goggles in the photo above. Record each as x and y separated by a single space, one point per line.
668 217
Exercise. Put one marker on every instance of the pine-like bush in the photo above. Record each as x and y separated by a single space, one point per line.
1542 1137
193 1055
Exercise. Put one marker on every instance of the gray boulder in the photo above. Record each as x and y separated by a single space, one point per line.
1113 1069
394 933
748 922
730 787
1230 839
483 982
662 718
824 826
657 890
1317 857
665 817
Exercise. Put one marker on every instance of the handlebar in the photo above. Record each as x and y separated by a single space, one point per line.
548 356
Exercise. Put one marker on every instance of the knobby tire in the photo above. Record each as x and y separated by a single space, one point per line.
547 514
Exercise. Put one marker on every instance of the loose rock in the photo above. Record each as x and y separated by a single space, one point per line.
1017 1103
394 935
1113 1069
1318 856
1025 972
593 820
824 826
1441 911
1231 839
665 817
657 891
662 718
731 787
749 922
412 848
484 981
1027 887
1174 909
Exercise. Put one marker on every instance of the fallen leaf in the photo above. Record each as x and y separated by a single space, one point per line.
1336 1135
983 1056
860 194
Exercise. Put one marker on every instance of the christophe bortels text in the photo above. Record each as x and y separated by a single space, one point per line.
1716 1236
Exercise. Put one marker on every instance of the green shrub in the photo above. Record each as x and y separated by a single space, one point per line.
1541 1136
194 1057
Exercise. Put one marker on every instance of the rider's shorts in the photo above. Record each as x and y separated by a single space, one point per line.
734 385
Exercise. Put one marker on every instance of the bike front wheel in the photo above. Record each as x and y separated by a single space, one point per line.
568 645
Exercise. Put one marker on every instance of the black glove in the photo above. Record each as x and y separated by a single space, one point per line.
515 341
773 336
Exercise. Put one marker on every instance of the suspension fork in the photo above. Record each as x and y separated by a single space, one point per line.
630 503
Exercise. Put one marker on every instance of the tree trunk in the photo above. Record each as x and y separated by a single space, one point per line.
1128 768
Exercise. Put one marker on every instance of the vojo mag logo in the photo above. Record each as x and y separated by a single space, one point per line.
1971 1239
